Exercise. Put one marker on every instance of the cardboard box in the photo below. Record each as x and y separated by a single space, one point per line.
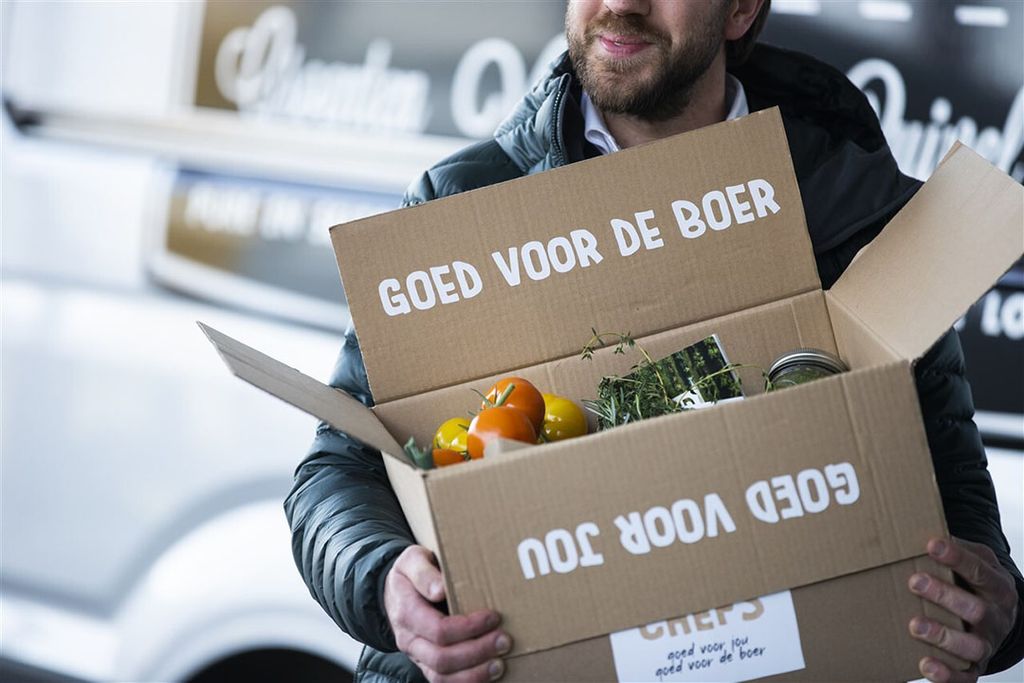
823 494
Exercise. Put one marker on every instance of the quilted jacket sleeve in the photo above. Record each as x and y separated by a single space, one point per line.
961 468
347 526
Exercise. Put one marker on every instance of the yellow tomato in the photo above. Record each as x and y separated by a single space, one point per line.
563 419
452 434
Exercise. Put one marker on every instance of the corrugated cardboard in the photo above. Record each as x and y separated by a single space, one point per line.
303 392
766 258
756 440
755 335
941 250
550 535
852 629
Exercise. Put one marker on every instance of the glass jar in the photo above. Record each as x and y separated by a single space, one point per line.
803 365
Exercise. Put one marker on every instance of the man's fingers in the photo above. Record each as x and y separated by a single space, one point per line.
437 628
964 645
412 612
965 561
462 656
417 563
968 607
488 671
421 619
460 627
936 671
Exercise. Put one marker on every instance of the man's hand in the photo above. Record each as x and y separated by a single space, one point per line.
988 605
461 649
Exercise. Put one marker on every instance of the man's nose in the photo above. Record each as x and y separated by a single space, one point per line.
623 7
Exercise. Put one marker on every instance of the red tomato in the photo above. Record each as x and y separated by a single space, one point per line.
503 422
524 398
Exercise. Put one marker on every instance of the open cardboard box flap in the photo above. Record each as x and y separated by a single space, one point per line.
334 407
962 230
753 249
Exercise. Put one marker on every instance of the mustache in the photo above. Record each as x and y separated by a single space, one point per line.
628 26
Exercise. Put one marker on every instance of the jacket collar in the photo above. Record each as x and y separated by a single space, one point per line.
534 134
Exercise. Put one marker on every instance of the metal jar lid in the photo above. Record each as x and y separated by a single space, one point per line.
813 357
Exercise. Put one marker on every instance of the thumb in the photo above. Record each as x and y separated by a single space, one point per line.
423 573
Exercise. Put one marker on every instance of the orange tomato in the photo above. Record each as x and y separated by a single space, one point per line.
502 422
446 456
524 398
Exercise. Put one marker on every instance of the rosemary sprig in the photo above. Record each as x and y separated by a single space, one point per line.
645 392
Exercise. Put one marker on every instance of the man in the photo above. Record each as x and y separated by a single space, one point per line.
639 70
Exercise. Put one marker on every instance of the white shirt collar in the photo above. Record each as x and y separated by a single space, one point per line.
596 132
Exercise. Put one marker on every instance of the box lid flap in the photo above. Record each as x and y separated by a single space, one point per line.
961 231
334 407
518 273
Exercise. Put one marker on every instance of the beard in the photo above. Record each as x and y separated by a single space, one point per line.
617 86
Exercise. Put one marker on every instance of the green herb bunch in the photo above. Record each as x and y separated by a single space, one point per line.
651 388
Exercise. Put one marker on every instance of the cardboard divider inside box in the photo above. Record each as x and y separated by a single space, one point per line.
768 537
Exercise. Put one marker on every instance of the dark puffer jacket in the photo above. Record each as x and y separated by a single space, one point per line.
347 527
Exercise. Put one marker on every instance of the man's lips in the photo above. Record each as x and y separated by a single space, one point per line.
622 46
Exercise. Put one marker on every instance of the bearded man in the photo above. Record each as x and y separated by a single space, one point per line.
636 71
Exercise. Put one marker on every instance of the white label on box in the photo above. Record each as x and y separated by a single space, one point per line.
740 642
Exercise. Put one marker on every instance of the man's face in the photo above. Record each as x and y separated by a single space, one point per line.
642 57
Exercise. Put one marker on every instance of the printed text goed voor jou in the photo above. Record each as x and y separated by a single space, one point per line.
770 501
